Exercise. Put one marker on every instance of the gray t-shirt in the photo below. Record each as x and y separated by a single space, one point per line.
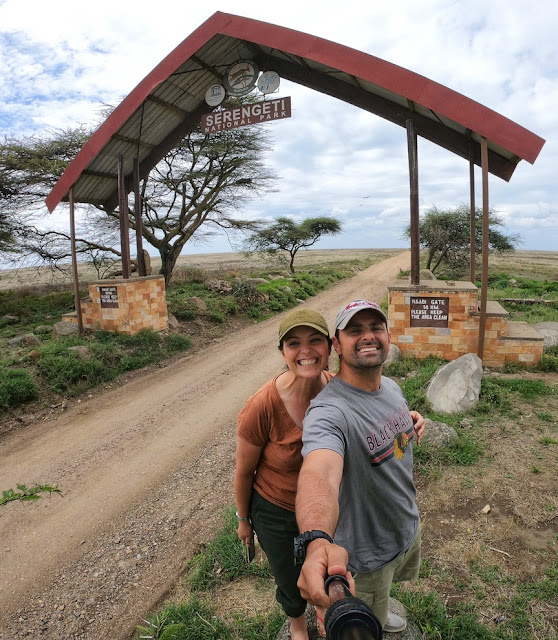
373 432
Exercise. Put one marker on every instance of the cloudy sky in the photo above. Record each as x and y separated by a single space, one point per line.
61 60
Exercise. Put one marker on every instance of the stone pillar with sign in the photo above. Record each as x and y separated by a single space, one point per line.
125 306
441 318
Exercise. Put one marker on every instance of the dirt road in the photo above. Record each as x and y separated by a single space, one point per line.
145 469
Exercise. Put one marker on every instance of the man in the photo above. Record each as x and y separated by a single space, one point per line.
356 482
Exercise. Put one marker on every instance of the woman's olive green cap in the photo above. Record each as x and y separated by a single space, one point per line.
305 317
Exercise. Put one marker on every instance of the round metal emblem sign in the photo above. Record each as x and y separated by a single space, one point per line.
240 78
215 95
268 82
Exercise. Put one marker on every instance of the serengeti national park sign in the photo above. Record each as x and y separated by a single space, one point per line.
256 113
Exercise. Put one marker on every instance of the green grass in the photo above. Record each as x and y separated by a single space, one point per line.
415 374
17 386
500 286
31 309
223 560
258 301
527 389
520 619
195 619
220 563
65 372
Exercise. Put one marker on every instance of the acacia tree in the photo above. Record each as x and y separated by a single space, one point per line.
197 188
8 241
446 235
284 234
29 168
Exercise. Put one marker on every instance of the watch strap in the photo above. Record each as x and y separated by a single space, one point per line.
304 539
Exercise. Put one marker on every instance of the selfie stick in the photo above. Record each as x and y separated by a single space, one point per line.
348 618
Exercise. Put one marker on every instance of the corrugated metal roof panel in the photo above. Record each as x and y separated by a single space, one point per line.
169 101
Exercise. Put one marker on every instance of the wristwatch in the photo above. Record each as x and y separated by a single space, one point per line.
303 540
242 519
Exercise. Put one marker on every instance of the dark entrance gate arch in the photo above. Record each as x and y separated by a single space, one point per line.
169 103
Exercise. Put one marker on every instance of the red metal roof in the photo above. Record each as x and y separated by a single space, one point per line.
169 102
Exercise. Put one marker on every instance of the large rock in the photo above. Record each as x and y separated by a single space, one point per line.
549 331
147 261
393 355
43 328
64 329
173 322
27 340
437 434
81 350
220 286
198 304
255 281
426 274
456 386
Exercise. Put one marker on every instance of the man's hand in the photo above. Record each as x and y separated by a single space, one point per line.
419 423
322 559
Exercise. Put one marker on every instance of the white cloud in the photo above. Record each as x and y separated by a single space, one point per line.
58 65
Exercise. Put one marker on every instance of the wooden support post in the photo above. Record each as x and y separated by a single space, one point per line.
414 202
77 301
472 257
485 231
124 226
137 215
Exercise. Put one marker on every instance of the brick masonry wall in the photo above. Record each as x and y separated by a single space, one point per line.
461 334
141 304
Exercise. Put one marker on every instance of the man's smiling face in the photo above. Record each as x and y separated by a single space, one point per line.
364 342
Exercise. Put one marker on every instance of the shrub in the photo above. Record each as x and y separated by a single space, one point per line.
144 339
66 372
548 363
25 493
185 313
17 386
176 342
492 397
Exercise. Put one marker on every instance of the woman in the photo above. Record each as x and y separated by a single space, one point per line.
268 454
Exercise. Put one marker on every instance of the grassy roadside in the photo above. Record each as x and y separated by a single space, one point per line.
48 371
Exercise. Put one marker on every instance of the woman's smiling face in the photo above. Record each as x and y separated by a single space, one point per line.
306 351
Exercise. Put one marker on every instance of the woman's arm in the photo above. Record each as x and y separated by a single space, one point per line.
247 458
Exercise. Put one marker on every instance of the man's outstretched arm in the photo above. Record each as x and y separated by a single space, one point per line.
317 507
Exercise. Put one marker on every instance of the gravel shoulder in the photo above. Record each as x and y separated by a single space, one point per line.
145 470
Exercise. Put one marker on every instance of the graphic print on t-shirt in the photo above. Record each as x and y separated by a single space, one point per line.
392 437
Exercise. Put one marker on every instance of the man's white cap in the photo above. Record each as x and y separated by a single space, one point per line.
349 311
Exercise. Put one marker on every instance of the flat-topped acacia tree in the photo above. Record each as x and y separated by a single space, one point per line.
286 235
